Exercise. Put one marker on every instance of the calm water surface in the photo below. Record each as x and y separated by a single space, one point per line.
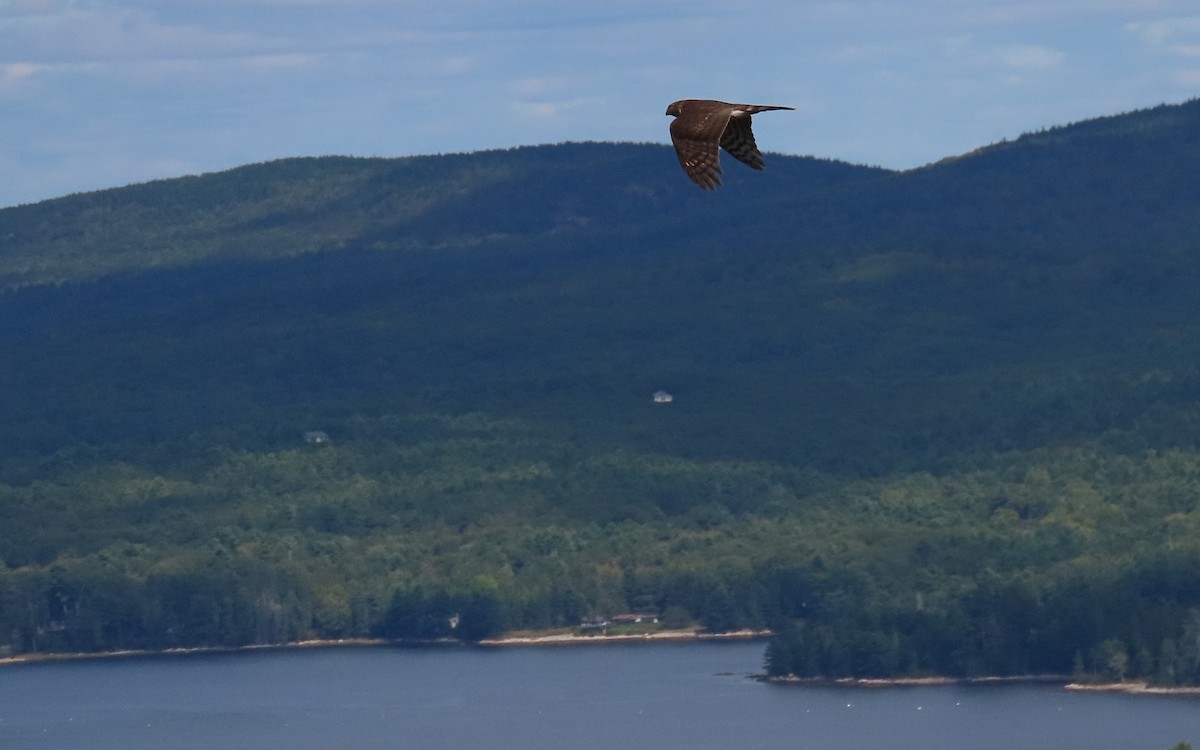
662 696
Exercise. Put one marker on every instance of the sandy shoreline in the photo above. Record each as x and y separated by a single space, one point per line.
1133 688
512 640
81 655
934 680
661 635
1127 688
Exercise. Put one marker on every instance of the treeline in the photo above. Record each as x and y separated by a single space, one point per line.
1090 620
80 608
1139 623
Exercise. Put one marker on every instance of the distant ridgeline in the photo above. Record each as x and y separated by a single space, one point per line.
940 421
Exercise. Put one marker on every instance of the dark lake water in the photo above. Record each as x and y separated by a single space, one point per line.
662 696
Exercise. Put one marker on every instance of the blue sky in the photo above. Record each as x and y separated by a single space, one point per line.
101 93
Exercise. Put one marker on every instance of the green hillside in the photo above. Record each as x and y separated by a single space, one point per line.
942 420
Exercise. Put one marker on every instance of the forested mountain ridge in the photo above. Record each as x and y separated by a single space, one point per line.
289 207
283 208
942 420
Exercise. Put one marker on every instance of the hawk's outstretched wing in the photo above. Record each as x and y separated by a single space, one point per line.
738 140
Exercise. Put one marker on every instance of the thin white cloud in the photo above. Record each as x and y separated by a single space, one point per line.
110 33
31 7
537 110
1189 79
1160 31
541 85
456 65
548 109
1031 56
285 61
17 71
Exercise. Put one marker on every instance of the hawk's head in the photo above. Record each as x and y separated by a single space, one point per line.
675 108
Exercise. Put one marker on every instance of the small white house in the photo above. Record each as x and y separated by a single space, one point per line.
662 397
632 618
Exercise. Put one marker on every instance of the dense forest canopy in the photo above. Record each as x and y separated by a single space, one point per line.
936 421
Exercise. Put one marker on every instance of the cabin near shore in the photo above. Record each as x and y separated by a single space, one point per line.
602 624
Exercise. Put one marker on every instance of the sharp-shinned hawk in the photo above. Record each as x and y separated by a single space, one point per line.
702 125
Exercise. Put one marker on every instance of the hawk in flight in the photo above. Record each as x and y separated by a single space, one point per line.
702 125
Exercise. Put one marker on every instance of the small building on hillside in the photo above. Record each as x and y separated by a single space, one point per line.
600 625
662 397
316 437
